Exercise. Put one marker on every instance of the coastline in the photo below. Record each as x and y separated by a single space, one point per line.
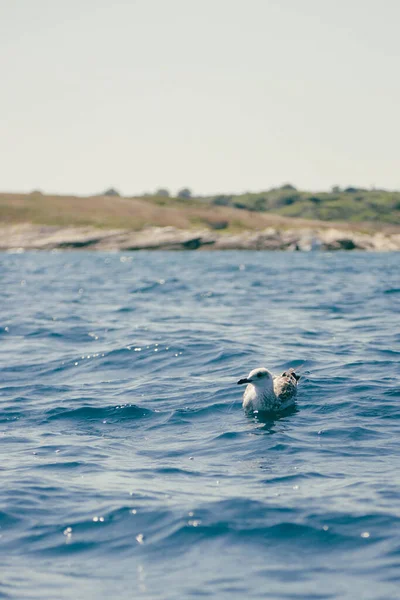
25 236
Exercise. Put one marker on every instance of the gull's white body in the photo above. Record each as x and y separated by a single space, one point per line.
265 392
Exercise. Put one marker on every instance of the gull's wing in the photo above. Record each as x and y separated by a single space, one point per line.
285 386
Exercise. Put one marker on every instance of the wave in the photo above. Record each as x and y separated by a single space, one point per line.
128 460
91 413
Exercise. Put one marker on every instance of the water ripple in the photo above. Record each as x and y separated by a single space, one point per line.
129 468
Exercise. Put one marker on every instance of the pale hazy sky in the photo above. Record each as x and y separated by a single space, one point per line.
217 95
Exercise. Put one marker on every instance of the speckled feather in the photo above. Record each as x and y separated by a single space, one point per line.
285 386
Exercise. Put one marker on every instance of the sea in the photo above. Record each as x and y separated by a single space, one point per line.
128 468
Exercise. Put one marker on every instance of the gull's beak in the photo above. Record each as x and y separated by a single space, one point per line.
245 380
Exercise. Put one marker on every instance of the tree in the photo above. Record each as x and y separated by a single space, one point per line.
111 192
162 192
185 193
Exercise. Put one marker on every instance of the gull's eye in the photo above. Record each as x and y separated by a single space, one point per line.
259 375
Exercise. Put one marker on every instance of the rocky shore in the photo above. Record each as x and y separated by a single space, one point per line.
18 238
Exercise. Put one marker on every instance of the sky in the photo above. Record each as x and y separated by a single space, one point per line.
221 96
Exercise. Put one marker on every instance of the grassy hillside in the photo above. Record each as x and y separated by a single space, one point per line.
114 212
225 213
354 205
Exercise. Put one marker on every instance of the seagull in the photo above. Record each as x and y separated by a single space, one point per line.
268 393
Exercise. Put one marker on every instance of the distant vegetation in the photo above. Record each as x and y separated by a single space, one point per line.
184 193
163 192
283 207
115 212
111 192
350 204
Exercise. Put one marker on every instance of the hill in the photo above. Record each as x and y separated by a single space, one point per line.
283 208
353 205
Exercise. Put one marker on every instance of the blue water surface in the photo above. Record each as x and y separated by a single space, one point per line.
128 468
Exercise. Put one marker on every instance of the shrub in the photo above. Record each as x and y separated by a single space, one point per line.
163 192
111 192
185 193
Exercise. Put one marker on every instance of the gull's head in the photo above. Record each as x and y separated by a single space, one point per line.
260 378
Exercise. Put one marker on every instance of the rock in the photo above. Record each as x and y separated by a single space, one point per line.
167 238
28 237
37 237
